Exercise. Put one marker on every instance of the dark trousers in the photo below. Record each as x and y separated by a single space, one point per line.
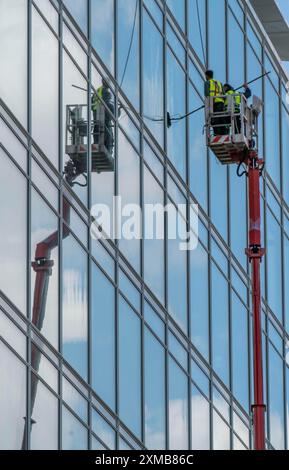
222 130
237 124
95 128
108 134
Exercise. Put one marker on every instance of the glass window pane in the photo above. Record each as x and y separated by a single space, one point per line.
13 145
153 87
198 152
175 43
155 408
44 246
272 134
44 430
102 30
286 284
238 211
285 150
153 319
78 8
241 429
200 378
236 61
176 107
178 10
197 29
129 290
13 335
103 430
103 337
220 325
274 273
49 12
128 75
74 305
129 368
199 303
221 433
74 435
13 400
217 45
96 445
129 190
45 125
178 350
13 56
155 12
45 368
74 399
219 196
240 366
13 232
254 39
200 421
276 400
154 264
178 408
177 272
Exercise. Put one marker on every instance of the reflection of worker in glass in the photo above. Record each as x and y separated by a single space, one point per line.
213 88
229 90
103 95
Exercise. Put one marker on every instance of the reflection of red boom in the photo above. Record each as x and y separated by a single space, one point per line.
43 268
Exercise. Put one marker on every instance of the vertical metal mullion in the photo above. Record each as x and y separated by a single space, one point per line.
89 200
247 261
209 257
266 362
166 226
229 242
29 190
60 245
117 255
188 231
283 263
142 211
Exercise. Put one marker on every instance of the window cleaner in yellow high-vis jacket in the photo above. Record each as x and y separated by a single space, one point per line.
103 95
214 88
229 90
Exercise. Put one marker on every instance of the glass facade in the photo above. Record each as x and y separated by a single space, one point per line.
136 343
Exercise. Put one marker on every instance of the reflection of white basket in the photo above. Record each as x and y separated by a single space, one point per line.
102 141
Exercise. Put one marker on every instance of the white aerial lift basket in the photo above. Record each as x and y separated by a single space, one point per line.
233 131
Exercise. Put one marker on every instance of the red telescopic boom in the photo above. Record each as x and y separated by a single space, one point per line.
255 253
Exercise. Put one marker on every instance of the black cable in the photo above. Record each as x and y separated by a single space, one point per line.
200 30
239 166
188 114
130 45
75 183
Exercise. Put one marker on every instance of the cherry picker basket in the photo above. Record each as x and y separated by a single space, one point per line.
232 131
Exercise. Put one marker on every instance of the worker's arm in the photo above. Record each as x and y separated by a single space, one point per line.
207 89
106 95
247 93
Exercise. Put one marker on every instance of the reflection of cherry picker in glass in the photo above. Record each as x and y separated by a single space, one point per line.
101 134
102 161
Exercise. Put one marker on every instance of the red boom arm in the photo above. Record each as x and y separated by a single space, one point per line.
255 254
